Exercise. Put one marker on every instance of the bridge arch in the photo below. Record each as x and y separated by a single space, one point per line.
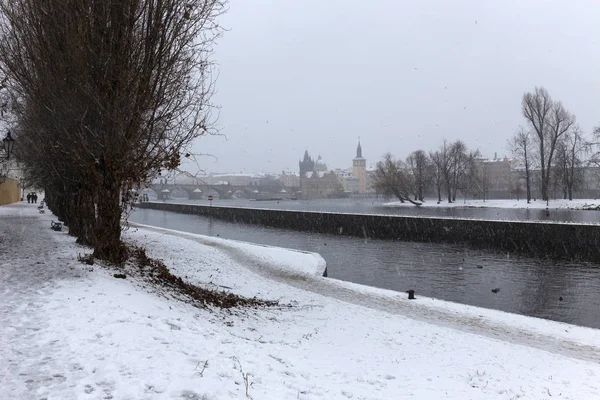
240 194
214 193
179 194
151 193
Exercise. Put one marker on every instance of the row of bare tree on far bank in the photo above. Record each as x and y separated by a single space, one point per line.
103 95
448 170
550 143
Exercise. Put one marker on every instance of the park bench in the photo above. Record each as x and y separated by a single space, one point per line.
56 226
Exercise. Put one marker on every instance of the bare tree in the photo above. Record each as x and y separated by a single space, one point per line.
570 151
418 162
436 179
536 108
594 146
437 175
106 94
560 168
549 120
521 145
443 163
454 168
392 178
463 172
479 184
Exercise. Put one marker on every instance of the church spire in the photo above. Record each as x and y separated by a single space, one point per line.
306 156
358 150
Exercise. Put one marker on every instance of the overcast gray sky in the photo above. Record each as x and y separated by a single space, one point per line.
402 75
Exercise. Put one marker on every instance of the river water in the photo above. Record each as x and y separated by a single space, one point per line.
450 272
376 206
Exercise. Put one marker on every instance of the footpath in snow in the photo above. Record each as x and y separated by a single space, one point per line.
72 331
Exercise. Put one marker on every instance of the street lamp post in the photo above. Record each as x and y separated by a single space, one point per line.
22 183
8 143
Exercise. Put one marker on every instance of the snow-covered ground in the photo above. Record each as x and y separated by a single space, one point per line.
576 204
72 331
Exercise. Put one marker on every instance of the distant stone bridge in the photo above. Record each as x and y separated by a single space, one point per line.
224 191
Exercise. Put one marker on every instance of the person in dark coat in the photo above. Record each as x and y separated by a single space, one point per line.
35 198
28 197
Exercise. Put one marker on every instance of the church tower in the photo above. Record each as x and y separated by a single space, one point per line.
359 169
306 165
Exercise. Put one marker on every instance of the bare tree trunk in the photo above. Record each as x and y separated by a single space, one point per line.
62 211
84 222
571 182
528 184
108 235
544 179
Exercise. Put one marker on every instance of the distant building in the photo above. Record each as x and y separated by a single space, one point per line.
359 169
321 185
348 180
306 165
495 178
11 181
318 183
589 183
289 179
320 165
351 185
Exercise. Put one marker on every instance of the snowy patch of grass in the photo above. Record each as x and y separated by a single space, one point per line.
157 273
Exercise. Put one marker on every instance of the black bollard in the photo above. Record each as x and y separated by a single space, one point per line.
411 294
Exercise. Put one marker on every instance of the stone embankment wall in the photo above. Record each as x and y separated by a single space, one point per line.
538 239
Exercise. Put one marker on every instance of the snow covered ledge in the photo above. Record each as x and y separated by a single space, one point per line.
267 259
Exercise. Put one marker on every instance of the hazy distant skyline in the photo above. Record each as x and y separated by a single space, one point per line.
314 75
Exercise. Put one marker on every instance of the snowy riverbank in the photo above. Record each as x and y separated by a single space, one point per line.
70 331
576 204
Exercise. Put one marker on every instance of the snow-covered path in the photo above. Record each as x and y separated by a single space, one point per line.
33 265
394 303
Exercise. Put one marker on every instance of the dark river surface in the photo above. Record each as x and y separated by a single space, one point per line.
375 206
450 272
